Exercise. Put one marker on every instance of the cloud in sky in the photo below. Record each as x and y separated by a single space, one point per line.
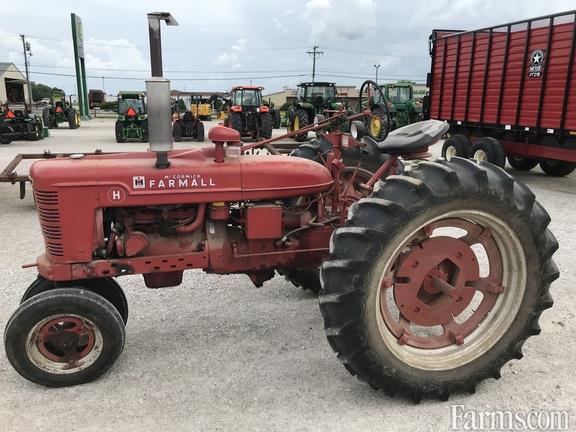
228 42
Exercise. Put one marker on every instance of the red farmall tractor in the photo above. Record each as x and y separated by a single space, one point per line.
431 275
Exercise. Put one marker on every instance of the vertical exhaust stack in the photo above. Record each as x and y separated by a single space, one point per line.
158 93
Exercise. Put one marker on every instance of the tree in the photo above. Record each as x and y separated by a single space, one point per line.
41 91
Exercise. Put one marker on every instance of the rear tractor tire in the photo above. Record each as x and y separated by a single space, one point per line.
64 337
300 121
236 122
119 131
267 125
556 168
456 145
199 132
407 304
73 119
177 131
488 149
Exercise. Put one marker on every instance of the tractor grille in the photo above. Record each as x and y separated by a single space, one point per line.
47 203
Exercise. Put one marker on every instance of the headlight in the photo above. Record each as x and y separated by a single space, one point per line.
258 109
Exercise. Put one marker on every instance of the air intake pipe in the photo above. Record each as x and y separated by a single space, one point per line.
158 93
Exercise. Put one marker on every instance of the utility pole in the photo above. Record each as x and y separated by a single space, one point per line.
26 48
314 53
377 67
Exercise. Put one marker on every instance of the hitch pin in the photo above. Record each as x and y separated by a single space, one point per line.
25 266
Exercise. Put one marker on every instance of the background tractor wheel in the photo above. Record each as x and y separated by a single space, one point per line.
267 125
376 127
105 287
300 121
64 337
199 132
456 145
236 122
119 131
47 118
144 127
488 149
4 140
556 168
73 119
407 305
177 131
277 119
522 163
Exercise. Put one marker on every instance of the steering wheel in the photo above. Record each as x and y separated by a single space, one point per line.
371 97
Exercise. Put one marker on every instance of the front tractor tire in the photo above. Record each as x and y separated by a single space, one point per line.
64 337
438 279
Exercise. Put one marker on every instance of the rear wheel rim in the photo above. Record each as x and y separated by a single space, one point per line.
445 314
375 126
480 156
64 344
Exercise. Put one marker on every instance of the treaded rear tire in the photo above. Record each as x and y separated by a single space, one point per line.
267 125
302 123
236 122
350 276
47 118
177 131
199 132
119 131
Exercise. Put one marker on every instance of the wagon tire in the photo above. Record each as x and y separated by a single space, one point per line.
456 145
105 287
383 236
522 163
488 149
557 168
64 337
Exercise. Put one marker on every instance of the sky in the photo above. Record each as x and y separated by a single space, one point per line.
221 43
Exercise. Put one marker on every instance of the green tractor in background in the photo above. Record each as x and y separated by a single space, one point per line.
404 110
312 98
132 120
60 111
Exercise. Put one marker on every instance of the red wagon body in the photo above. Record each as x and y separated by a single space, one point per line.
515 82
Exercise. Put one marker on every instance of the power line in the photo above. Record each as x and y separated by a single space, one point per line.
175 79
376 54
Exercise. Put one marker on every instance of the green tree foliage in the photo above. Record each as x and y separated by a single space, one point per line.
41 91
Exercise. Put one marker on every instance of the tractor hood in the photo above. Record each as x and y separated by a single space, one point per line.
131 179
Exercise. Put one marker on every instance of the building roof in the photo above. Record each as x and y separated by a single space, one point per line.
4 66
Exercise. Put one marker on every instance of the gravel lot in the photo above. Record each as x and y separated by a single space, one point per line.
218 354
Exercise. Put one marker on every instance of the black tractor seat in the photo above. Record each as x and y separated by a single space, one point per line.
409 139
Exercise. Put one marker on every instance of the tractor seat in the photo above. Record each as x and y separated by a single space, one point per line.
409 139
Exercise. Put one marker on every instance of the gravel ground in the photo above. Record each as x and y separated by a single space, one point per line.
218 354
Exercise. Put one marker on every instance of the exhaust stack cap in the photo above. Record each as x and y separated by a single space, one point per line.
159 112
